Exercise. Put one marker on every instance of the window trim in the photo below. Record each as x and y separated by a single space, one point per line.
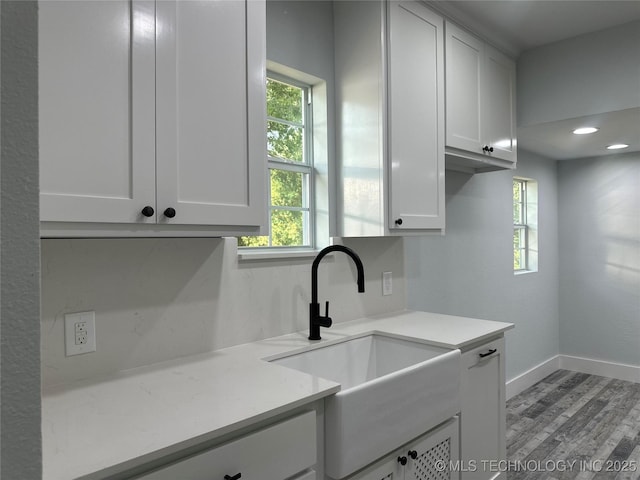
529 225
522 226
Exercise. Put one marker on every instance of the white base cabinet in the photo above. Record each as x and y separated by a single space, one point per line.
480 104
434 456
483 412
389 62
152 117
286 450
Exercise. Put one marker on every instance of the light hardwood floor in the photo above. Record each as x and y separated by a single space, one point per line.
574 426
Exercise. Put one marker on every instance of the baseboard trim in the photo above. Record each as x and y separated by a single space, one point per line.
630 373
532 376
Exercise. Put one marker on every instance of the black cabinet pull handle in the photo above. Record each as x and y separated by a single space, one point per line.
170 212
490 352
235 477
399 221
148 211
413 454
402 460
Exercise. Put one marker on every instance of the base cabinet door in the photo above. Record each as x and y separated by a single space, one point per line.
282 451
434 456
483 416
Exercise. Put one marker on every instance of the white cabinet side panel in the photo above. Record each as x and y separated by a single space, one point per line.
359 116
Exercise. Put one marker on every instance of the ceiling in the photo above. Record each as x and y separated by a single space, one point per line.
525 24
515 26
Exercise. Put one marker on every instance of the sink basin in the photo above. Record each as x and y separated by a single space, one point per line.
393 390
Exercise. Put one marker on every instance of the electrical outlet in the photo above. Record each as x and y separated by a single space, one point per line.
387 283
80 333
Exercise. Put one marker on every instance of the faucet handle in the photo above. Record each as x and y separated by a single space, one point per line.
326 309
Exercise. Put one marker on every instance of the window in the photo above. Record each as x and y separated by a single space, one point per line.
291 174
525 225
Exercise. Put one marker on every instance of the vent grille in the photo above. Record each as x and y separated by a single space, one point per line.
424 467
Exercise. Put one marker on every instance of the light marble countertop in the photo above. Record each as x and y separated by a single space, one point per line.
143 414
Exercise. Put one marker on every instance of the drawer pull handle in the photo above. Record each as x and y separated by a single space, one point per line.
490 352
170 212
235 477
413 454
402 460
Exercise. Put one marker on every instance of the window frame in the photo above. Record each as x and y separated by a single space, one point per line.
528 224
521 226
304 167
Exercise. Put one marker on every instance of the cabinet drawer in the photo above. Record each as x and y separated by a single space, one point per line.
274 453
482 353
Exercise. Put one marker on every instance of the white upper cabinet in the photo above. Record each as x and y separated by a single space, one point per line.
96 82
152 117
415 76
390 117
480 104
211 112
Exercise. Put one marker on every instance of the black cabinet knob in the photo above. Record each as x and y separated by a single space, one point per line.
148 211
170 213
402 460
398 221
487 148
491 149
234 477
413 454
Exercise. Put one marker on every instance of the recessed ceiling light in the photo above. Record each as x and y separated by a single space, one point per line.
585 130
617 146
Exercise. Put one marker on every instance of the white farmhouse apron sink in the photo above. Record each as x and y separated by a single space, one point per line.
393 390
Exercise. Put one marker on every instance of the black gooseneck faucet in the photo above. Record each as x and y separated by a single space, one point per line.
315 319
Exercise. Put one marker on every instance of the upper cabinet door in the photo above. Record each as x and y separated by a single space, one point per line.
480 93
96 82
415 117
500 100
464 58
211 140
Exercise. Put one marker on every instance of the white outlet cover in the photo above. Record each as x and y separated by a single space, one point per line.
70 321
387 283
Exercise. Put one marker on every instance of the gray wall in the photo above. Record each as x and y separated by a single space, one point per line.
20 440
589 74
469 271
599 202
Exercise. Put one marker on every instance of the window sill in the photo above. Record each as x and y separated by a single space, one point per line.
258 254
524 272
